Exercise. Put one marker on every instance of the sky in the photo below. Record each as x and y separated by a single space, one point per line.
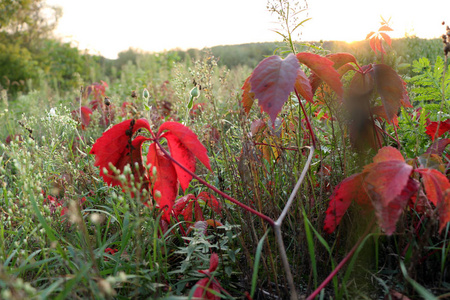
107 27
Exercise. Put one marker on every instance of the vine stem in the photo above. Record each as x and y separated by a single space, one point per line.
313 136
342 263
247 208
277 225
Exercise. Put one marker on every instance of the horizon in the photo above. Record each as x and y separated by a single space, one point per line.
108 28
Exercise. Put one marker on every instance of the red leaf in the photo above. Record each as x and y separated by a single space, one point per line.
165 186
390 88
211 201
386 37
86 113
213 262
183 206
437 188
362 83
385 28
370 35
303 86
188 139
387 177
388 215
341 64
444 126
247 96
379 45
113 147
202 288
388 153
323 68
349 189
381 112
438 147
272 81
181 154
372 43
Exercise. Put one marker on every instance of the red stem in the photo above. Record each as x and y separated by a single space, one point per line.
247 208
313 136
341 264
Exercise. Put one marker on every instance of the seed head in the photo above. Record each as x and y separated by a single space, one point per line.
145 94
107 101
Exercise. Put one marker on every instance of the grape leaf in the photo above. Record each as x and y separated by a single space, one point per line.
203 286
323 68
188 139
388 216
390 88
437 188
444 126
114 146
341 64
181 154
165 187
272 81
387 177
438 147
303 86
351 188
247 96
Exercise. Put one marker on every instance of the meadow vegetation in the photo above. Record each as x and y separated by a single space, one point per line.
72 226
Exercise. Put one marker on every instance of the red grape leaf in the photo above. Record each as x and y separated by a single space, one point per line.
188 139
405 100
390 88
183 206
388 153
372 43
181 154
303 86
165 186
213 262
437 188
444 126
381 112
323 68
385 28
370 35
438 147
272 81
113 147
386 37
211 201
247 96
388 216
387 179
362 84
341 64
203 287
351 188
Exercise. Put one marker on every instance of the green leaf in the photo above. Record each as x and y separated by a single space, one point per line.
256 264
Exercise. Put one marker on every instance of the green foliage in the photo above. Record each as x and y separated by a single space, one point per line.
428 84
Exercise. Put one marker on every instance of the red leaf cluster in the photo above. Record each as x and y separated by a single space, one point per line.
386 186
85 113
376 38
205 285
119 147
189 207
275 78
433 131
